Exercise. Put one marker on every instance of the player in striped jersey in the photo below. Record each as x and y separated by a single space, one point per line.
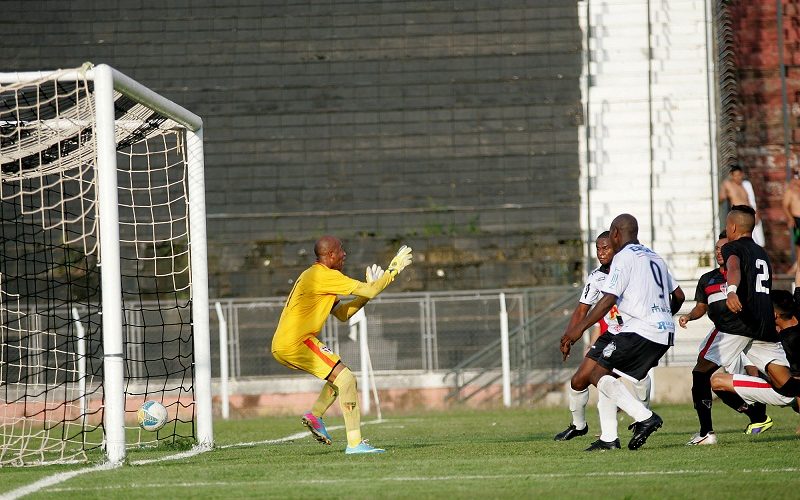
746 325
612 322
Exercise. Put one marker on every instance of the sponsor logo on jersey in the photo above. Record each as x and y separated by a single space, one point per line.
609 350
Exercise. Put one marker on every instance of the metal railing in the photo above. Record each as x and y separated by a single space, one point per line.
531 349
419 332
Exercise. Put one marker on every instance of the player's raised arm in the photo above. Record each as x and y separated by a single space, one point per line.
344 310
377 281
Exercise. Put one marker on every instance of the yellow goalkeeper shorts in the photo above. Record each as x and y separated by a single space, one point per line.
310 356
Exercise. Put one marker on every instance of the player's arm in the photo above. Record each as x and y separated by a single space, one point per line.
396 266
676 300
698 311
376 283
580 312
345 310
598 311
734 278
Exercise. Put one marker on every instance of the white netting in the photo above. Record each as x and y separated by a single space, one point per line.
50 296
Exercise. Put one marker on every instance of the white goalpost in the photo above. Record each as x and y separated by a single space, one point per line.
103 267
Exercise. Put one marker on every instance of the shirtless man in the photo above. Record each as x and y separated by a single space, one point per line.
736 190
791 207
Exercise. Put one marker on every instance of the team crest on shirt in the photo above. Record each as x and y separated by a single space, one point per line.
609 350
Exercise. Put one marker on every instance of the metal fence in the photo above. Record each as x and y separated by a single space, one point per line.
407 331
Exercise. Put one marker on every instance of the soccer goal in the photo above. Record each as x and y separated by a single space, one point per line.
103 267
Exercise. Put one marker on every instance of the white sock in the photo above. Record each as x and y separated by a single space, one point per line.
608 418
617 393
642 389
577 406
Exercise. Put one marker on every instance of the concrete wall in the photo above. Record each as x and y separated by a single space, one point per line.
649 127
449 126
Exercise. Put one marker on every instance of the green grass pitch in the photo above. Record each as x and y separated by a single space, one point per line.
457 454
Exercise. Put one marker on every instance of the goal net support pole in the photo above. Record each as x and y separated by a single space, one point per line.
108 85
199 265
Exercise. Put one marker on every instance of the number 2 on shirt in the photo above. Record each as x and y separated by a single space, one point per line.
762 276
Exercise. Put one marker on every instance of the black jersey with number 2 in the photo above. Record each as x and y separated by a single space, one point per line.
757 319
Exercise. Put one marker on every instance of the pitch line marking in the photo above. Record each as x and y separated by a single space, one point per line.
292 437
473 477
55 479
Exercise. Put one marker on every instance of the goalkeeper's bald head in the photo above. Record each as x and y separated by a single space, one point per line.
329 252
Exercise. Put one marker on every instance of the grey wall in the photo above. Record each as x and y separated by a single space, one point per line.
447 125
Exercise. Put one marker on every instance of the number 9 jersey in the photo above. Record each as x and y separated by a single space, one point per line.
757 319
642 283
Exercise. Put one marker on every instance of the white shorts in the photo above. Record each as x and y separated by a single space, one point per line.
757 390
723 349
737 367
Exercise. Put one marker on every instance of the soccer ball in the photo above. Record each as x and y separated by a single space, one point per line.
152 415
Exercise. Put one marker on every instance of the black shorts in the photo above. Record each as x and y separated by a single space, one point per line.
627 354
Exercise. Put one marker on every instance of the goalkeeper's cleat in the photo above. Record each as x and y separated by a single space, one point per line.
601 445
317 428
571 432
759 427
362 447
698 440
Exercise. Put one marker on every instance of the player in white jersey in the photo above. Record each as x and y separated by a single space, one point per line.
579 384
647 296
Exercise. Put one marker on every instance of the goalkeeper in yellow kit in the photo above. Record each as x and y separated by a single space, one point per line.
295 344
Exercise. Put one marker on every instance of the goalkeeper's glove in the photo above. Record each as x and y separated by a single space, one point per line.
400 261
374 272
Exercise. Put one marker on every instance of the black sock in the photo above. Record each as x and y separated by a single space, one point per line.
701 396
757 412
733 400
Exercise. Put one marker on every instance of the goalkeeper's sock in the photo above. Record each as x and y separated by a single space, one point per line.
326 398
348 399
617 393
577 406
608 418
642 389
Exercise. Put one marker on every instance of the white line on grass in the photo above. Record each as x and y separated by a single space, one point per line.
292 437
178 456
64 476
52 480
474 477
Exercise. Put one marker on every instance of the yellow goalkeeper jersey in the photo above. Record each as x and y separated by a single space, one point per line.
309 304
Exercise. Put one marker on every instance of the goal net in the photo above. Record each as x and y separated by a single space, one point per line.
103 295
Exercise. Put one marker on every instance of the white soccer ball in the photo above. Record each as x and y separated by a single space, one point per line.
152 415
